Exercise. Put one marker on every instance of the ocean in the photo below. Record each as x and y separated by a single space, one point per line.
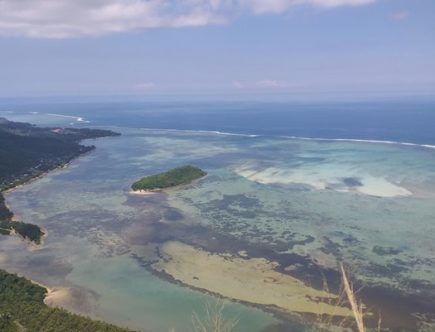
297 188
405 121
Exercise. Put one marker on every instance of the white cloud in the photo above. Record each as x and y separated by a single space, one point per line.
144 86
238 85
73 18
399 15
271 84
262 84
337 3
280 6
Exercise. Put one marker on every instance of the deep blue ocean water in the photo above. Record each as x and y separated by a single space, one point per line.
406 121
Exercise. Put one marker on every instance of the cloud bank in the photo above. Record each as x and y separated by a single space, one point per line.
78 18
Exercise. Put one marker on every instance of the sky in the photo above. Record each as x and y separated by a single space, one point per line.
295 48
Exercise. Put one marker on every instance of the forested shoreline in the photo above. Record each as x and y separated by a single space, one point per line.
22 308
26 152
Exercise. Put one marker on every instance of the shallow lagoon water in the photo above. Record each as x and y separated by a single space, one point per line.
273 198
86 212
368 205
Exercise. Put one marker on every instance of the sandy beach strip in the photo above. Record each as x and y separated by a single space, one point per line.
142 192
58 297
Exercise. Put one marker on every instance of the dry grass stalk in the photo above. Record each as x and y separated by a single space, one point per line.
214 320
326 322
357 308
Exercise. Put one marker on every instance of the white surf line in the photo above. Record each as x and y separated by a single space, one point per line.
428 146
77 118
223 133
215 132
234 134
357 140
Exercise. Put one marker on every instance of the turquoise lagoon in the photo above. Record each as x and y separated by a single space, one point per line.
370 206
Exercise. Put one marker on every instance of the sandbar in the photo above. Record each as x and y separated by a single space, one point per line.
252 280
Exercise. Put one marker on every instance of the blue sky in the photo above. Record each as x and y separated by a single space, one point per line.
296 48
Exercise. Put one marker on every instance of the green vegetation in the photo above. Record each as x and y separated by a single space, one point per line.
26 152
27 231
174 177
5 214
22 309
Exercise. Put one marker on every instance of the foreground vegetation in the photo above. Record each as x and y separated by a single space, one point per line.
22 308
26 152
174 177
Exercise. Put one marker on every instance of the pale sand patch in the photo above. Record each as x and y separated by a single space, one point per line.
383 188
321 179
251 280
243 253
74 299
58 297
142 192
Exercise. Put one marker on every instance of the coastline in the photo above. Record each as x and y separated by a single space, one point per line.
29 180
33 246
60 298
143 192
53 299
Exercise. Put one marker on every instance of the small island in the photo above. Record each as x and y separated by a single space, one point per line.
174 177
